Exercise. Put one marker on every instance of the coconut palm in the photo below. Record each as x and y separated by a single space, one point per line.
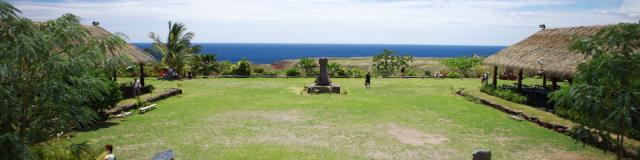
177 49
203 63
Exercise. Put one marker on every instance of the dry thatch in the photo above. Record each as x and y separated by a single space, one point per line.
551 46
131 51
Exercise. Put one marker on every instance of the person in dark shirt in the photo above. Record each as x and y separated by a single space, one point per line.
367 80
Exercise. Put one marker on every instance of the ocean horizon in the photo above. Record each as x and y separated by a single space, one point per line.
267 53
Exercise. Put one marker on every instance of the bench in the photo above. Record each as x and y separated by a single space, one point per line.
122 115
146 109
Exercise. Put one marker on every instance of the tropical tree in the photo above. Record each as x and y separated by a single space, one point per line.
463 64
333 68
53 77
203 63
242 67
605 96
307 65
177 49
208 63
388 63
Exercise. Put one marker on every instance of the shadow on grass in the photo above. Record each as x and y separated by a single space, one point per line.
99 126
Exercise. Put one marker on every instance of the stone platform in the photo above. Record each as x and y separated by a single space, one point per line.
313 88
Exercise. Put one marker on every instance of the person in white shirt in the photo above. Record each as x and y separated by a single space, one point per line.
110 155
136 87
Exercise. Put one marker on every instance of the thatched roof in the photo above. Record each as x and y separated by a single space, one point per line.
551 46
129 50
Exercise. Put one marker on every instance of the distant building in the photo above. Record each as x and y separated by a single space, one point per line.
546 52
129 50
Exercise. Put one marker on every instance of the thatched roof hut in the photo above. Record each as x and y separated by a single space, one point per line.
549 46
131 51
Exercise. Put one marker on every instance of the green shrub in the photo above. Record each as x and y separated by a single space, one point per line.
343 72
242 67
292 72
62 149
504 94
427 73
270 73
454 75
223 67
463 65
410 72
258 70
355 72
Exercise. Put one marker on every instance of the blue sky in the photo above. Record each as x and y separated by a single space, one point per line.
453 22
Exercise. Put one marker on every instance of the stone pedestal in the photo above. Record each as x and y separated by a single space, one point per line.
312 89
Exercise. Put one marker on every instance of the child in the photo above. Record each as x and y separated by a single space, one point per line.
109 149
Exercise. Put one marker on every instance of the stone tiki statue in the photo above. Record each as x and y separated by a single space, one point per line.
322 83
323 77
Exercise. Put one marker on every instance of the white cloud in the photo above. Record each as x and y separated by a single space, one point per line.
334 21
631 7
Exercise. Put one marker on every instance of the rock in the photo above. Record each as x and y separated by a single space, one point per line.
481 154
514 117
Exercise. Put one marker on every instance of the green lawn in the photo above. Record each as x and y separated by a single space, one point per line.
269 119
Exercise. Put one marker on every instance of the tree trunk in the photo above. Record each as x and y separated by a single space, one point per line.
620 138
554 84
495 76
24 122
142 74
544 81
115 76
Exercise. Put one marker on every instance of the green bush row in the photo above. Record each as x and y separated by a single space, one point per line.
504 94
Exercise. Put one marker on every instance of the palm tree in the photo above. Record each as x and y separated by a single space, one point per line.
307 64
203 62
177 49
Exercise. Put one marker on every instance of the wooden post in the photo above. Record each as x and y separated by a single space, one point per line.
544 80
570 80
520 79
495 76
554 84
142 74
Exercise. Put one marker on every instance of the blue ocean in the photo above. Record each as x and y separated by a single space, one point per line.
269 53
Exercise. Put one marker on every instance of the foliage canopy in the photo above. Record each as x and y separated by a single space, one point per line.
54 77
606 92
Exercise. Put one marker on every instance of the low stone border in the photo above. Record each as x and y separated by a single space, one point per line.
556 127
160 96
552 126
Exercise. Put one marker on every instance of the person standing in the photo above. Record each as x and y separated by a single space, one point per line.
485 78
109 149
136 87
367 80
170 73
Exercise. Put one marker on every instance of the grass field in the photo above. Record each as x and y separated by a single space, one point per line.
269 119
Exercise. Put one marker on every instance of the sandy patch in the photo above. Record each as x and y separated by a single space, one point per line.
277 116
444 120
503 139
561 155
297 90
287 116
413 136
